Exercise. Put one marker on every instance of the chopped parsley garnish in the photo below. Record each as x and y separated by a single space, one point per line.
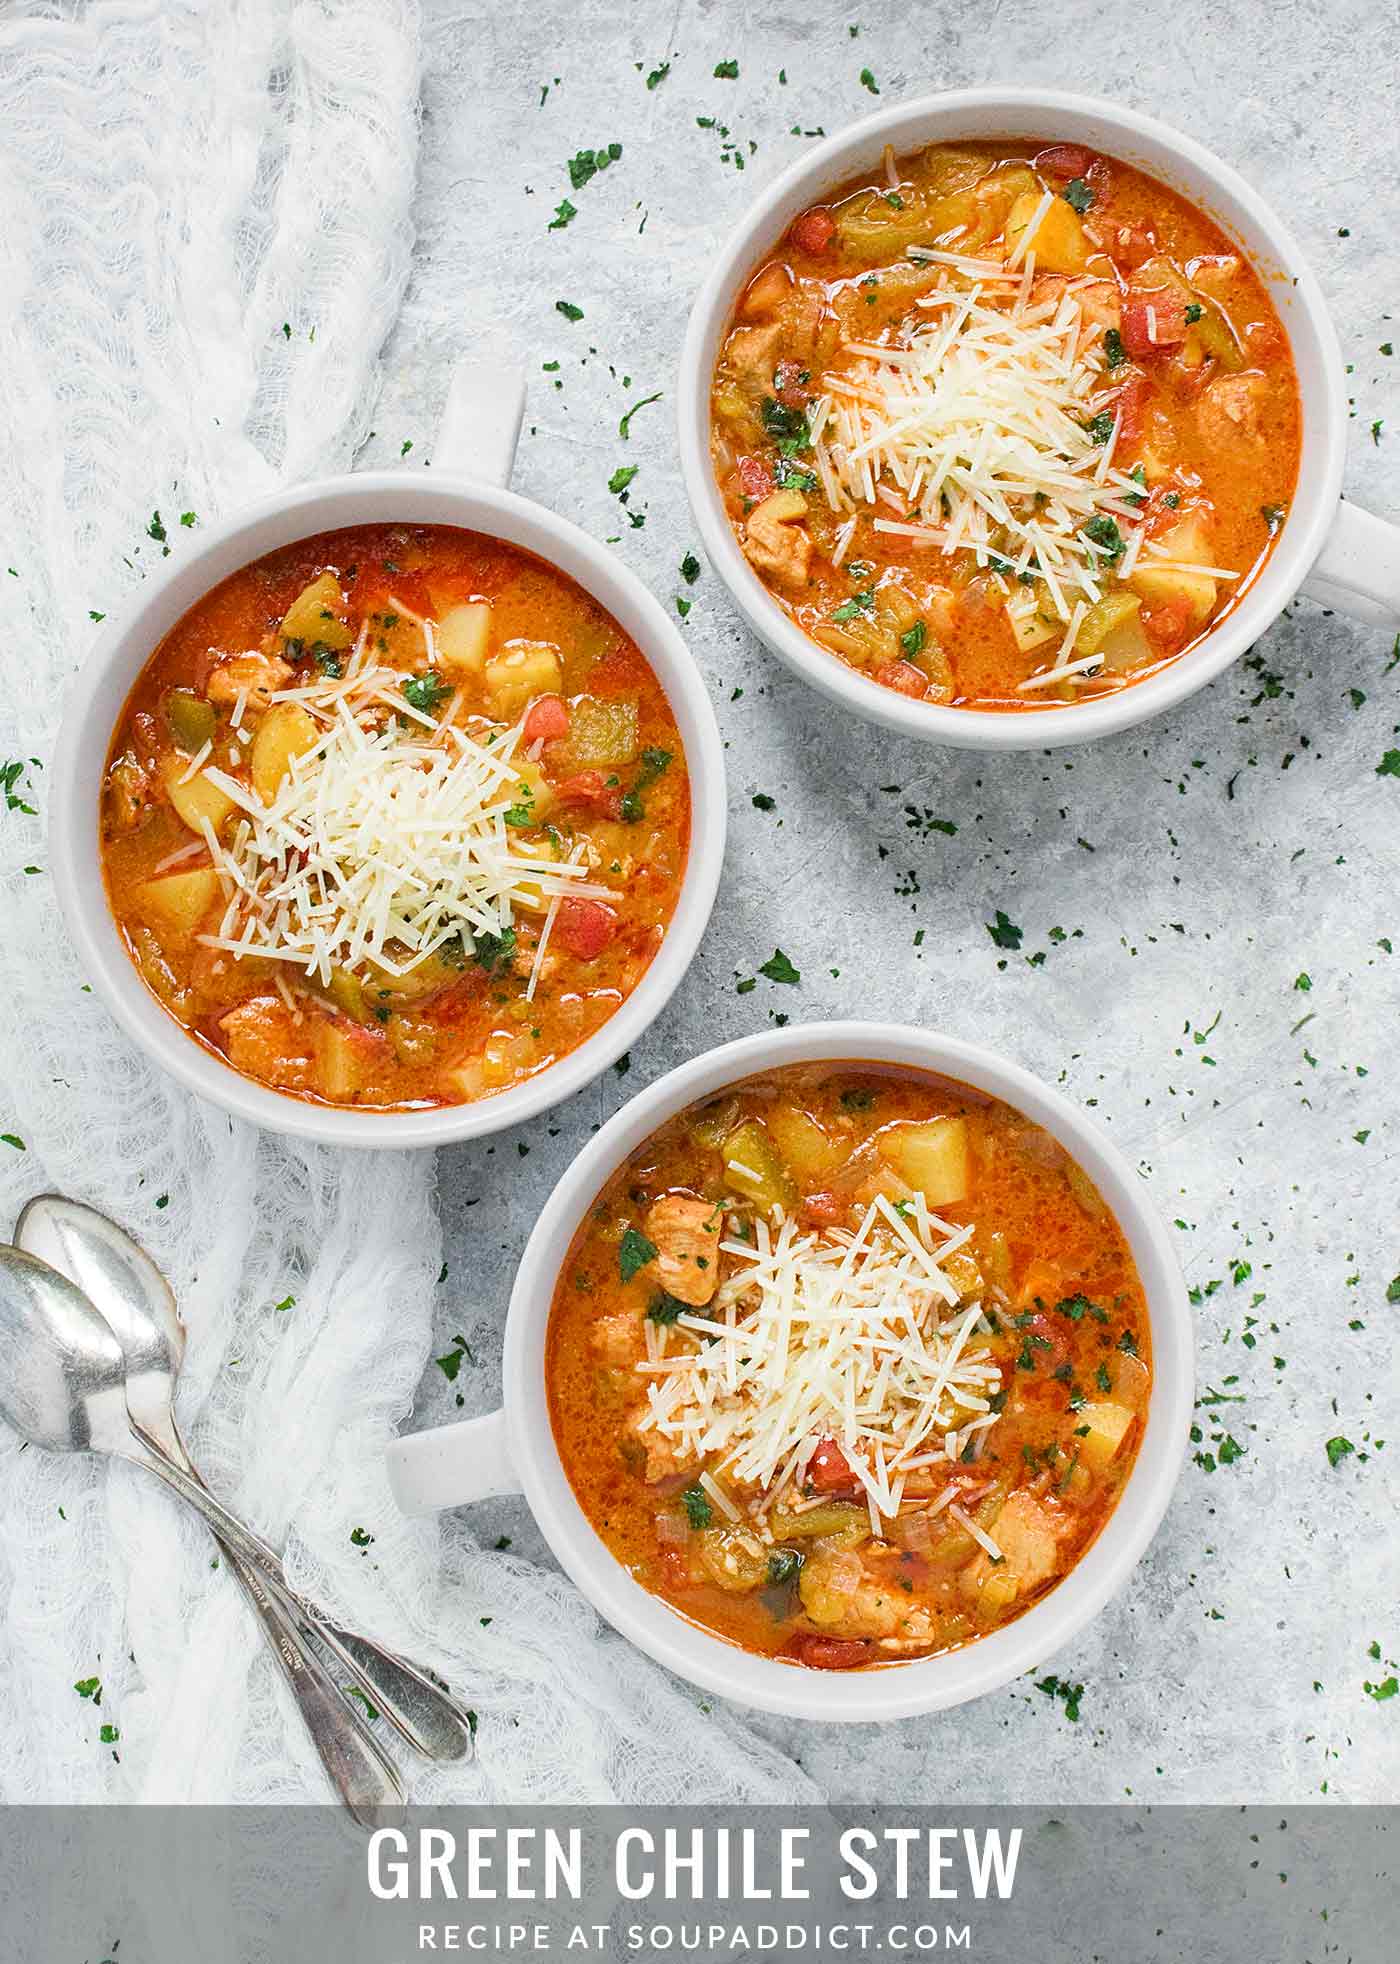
425 692
1113 348
791 477
658 75
698 1510
726 71
1076 1308
1100 428
634 1251
1103 532
1004 931
859 603
622 477
867 81
494 951
625 425
786 426
568 310
690 569
665 1308
912 640
779 969
586 164
1077 195
564 214
1194 312
783 1565
1337 1450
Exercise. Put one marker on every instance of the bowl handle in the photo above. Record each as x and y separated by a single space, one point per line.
449 1465
1358 569
481 419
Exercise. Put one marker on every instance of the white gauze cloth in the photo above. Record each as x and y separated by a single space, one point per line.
177 182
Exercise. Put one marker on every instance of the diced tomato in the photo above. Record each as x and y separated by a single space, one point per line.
821 1210
814 230
1065 160
547 719
1130 404
903 678
829 1470
1133 244
829 1653
592 788
755 478
1048 1341
789 383
584 927
1154 321
1167 626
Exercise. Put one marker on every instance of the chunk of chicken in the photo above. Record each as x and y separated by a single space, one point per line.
686 1232
618 1339
857 1593
129 792
663 1462
265 1041
749 353
1231 407
254 676
1028 1536
775 540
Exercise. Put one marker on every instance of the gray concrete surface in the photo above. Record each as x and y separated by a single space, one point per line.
1199 868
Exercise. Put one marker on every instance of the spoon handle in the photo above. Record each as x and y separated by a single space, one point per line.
359 1769
421 1712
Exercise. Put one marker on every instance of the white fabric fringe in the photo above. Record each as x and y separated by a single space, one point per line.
177 182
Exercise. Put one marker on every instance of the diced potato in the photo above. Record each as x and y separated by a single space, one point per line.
754 1168
934 1158
287 731
463 635
521 671
178 902
603 734
1161 586
318 615
1058 242
534 797
196 799
505 1056
807 1151
342 1061
1107 1425
462 1082
1033 630
191 718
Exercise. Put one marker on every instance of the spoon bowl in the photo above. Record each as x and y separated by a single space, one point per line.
62 1372
133 1297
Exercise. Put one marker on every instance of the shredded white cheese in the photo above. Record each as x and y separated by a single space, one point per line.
859 1337
383 842
981 419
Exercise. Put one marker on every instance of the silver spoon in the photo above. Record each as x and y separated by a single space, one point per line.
63 1387
135 1300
